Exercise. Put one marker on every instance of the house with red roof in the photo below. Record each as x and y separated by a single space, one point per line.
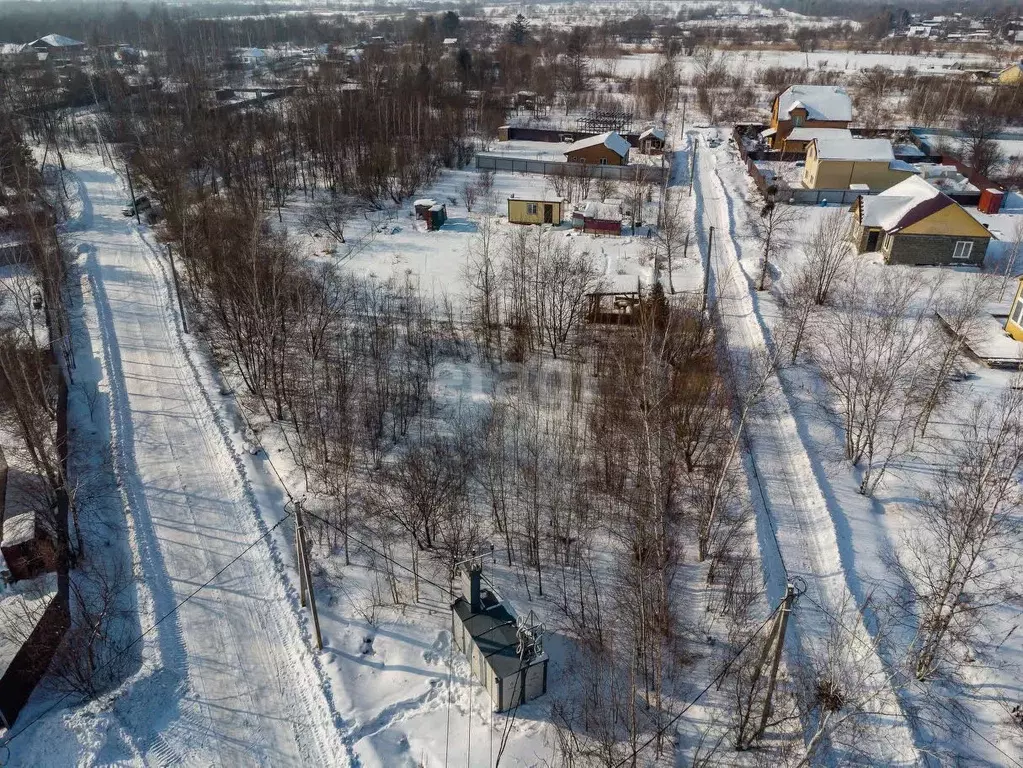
915 223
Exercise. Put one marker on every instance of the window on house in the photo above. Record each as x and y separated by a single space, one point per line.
797 120
603 161
531 209
887 244
962 250
1017 310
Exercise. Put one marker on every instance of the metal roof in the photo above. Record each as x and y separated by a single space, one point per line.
493 629
611 140
862 150
821 102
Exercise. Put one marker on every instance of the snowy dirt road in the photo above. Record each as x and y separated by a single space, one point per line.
797 532
228 677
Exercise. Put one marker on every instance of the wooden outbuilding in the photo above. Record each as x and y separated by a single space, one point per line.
545 210
28 541
651 141
597 218
432 212
604 149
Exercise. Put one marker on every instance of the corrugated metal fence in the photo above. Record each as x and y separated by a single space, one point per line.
648 173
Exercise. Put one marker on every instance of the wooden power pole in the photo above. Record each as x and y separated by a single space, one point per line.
783 620
131 191
706 270
692 163
177 290
305 577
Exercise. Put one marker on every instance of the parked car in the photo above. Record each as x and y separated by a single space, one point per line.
140 205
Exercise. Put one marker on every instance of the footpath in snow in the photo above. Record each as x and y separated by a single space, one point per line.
797 533
228 677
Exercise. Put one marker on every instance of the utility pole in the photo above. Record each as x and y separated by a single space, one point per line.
306 577
692 164
131 191
706 269
783 620
302 586
177 289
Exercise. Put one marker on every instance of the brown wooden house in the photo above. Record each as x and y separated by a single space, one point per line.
28 541
807 106
604 149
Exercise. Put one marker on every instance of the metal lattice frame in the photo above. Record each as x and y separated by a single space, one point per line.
604 120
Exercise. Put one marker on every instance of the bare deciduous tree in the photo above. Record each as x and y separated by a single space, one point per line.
970 517
959 314
470 193
873 360
332 216
773 227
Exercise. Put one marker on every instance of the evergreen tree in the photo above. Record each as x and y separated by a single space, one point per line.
449 24
518 33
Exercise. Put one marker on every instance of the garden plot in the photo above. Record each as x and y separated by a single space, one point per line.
391 244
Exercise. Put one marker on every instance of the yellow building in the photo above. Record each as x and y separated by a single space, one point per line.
841 163
1011 75
542 211
1014 323
915 223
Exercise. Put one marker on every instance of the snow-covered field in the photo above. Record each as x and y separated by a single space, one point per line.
393 244
634 64
1009 144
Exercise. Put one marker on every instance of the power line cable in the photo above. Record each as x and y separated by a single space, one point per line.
720 675
8 739
860 639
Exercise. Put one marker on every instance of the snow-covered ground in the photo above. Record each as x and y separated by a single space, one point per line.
1010 144
391 243
634 64
228 675
801 541
858 533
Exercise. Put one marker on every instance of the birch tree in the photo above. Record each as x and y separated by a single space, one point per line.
873 361
968 522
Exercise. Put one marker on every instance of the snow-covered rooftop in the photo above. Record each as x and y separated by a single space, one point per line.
863 150
18 604
806 133
822 102
612 140
58 41
899 206
601 211
654 132
19 529
546 197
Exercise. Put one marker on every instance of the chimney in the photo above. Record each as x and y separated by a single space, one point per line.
472 573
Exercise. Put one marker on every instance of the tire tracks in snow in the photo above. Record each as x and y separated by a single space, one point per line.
155 596
795 506
335 739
